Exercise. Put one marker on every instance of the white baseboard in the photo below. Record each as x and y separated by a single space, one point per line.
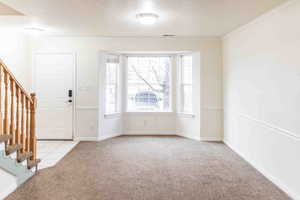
263 171
188 136
105 137
146 133
211 139
85 139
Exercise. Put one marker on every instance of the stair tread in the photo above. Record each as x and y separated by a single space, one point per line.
33 163
4 138
13 148
24 156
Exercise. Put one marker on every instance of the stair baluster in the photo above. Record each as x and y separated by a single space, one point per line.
23 137
17 126
32 124
12 115
27 127
6 123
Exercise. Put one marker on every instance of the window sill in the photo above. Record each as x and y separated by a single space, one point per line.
149 112
112 115
186 115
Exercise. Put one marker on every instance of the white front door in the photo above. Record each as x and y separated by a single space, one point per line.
54 80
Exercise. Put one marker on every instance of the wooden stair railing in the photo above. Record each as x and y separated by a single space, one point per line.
17 122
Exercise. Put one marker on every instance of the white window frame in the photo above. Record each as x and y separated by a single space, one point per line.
171 56
181 85
117 110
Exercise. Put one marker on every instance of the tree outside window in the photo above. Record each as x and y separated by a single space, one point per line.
148 86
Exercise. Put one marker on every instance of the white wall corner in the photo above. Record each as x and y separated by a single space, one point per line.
264 172
260 18
105 137
211 139
189 136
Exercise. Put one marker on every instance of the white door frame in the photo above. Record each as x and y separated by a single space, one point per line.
74 73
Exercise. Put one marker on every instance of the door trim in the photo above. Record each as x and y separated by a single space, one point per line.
75 84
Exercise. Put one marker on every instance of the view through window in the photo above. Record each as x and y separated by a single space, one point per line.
148 84
111 85
186 76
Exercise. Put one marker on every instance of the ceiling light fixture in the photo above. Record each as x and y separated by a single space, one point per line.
147 18
34 30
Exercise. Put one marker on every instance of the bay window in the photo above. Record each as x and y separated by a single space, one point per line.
148 83
185 84
111 84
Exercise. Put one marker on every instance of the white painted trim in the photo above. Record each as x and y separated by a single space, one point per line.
85 139
211 108
143 54
211 139
268 125
186 115
142 132
87 107
112 115
8 190
188 136
274 127
105 137
263 171
260 18
149 113
75 89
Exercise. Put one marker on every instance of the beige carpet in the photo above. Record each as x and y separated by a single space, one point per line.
149 168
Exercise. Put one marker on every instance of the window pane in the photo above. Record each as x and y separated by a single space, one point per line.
186 84
148 84
111 84
187 99
110 99
111 73
187 69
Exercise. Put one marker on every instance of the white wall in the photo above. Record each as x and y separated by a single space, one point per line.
87 50
262 94
8 184
14 53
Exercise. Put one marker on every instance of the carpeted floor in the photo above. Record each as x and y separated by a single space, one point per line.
149 168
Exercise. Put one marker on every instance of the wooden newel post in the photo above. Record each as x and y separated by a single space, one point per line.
33 126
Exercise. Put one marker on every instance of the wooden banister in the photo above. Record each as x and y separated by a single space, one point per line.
5 69
18 120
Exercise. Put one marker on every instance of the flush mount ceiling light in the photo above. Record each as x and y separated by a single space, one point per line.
147 18
34 30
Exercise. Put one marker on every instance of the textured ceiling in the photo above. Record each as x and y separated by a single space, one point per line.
117 17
